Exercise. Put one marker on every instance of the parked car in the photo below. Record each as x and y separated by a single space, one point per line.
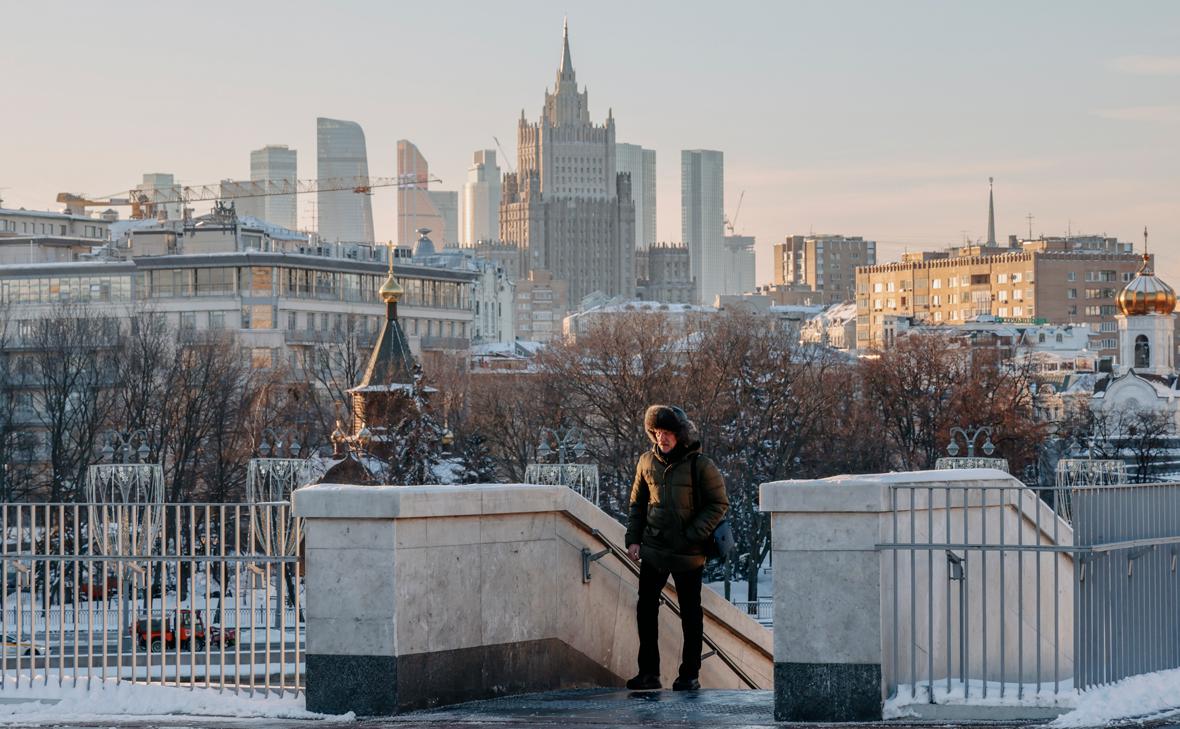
158 633
13 647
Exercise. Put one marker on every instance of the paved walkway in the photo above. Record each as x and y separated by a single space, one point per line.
572 709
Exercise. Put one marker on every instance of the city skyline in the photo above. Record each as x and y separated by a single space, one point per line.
866 120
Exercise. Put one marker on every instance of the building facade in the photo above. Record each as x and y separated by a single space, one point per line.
566 205
276 162
1058 286
43 223
640 163
419 207
739 265
825 264
542 301
342 215
665 274
481 200
702 219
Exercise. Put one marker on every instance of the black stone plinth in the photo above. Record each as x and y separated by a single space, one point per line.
366 685
388 685
827 692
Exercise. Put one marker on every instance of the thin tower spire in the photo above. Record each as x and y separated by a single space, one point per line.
991 213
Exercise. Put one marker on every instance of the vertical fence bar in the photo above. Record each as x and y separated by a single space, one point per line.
282 598
60 568
222 589
1003 591
20 536
912 642
185 585
896 617
299 606
947 582
4 508
983 586
964 604
207 564
44 590
238 598
930 594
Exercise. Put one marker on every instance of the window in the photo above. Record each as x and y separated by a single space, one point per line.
878 287
1071 276
1002 296
188 320
936 300
261 358
1017 295
1001 278
1142 352
1016 278
258 316
291 323
936 283
1003 311
217 320
1017 311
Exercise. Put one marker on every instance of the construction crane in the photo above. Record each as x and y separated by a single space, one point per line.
730 223
144 201
504 154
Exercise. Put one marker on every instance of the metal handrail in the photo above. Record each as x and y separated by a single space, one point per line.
621 554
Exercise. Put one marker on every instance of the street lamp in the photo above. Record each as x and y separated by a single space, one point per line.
270 442
970 435
567 439
118 444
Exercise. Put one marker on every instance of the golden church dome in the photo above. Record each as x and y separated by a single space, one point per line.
391 291
1146 294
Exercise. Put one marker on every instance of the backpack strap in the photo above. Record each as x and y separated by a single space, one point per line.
696 481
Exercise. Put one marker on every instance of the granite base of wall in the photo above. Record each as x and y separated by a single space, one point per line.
366 685
387 685
827 692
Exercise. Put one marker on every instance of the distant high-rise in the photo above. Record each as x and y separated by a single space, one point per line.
446 202
340 152
481 200
640 163
566 205
739 265
162 181
823 263
275 162
702 218
417 206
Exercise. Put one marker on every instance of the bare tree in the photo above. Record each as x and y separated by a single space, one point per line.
73 352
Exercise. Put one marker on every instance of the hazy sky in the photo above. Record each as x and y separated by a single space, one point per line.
881 119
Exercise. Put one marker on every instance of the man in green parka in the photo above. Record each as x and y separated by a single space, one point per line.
677 499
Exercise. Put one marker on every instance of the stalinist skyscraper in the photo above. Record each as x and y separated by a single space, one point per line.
566 206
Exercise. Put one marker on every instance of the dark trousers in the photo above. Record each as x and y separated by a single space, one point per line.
647 617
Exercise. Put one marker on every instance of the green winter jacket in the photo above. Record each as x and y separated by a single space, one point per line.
670 530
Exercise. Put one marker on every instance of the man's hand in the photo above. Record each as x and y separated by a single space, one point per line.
633 552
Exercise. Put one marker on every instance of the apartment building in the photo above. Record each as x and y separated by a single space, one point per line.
1038 281
825 264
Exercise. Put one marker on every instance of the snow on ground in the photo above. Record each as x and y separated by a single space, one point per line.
51 705
1044 695
1145 697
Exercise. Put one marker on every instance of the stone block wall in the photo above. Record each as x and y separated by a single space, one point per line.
420 596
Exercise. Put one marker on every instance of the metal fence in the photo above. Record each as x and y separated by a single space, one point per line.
1128 592
191 595
991 593
760 610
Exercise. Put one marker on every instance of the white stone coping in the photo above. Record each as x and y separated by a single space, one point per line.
334 501
867 492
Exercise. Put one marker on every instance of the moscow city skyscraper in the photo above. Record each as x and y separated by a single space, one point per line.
340 152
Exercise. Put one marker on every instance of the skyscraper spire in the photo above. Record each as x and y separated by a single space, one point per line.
991 214
565 72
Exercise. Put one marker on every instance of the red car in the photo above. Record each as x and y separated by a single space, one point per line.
158 633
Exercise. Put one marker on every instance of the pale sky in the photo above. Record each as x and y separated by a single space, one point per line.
881 119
